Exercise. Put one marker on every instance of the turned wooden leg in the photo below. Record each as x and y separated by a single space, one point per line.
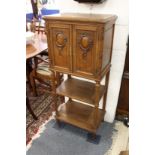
53 84
97 88
105 94
59 80
106 90
30 109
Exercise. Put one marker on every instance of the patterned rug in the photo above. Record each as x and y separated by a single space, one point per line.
42 106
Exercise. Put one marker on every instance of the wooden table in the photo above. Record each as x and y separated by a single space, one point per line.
34 48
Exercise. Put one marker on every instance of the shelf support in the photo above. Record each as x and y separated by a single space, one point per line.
53 83
97 88
106 90
58 78
58 81
69 76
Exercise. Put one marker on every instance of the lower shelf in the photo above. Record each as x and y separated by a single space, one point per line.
80 115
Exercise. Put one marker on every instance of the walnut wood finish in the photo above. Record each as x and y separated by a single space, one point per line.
37 46
61 53
33 49
82 17
81 45
40 76
80 90
85 43
79 115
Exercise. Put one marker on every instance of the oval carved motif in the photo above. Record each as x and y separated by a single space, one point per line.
60 39
85 42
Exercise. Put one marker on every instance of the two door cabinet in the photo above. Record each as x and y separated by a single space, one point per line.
80 45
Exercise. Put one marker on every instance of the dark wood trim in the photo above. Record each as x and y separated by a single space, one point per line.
123 101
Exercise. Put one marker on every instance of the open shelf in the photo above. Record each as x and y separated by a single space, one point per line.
79 115
80 90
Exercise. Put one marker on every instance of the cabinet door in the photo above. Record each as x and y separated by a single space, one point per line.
84 52
60 51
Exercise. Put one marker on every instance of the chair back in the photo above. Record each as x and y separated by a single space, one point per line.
29 17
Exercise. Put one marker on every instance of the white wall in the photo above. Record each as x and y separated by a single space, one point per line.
120 8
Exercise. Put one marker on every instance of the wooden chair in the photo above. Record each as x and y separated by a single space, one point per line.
40 26
42 73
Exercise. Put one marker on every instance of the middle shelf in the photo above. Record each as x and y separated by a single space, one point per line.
80 90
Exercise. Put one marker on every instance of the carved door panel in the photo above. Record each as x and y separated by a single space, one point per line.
84 52
60 38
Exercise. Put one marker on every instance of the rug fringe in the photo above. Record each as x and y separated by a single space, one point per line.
40 130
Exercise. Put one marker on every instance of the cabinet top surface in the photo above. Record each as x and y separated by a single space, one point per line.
99 18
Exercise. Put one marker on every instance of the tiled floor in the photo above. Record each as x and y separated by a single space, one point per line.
121 140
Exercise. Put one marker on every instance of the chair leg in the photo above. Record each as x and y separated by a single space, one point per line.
32 80
30 109
28 70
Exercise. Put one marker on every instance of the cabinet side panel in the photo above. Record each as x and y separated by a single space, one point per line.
107 47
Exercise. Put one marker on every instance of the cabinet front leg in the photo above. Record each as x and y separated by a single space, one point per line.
97 88
106 90
54 95
59 79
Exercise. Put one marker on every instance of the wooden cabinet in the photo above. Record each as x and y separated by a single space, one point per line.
81 45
